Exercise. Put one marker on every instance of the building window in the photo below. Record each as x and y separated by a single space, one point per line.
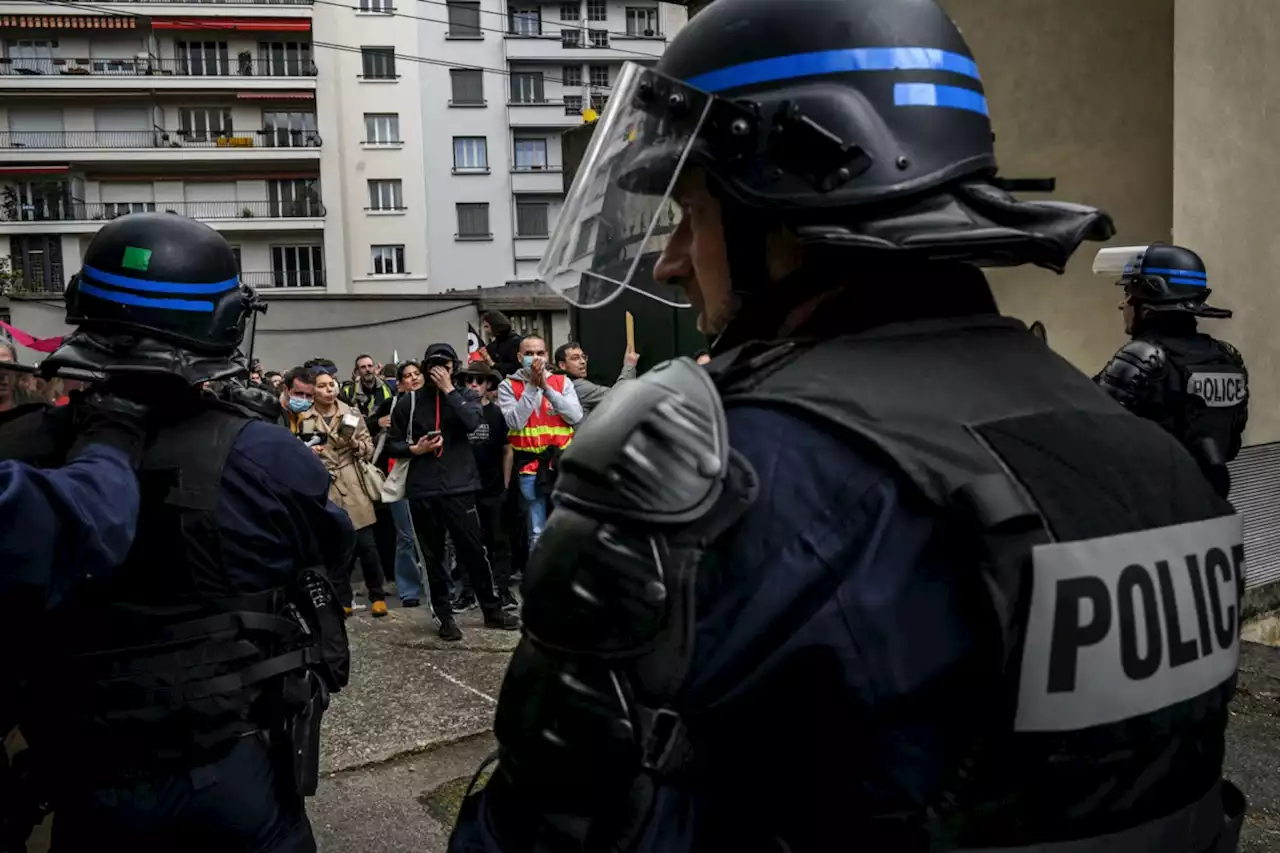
573 105
203 124
599 38
33 56
525 22
204 58
597 10
464 19
296 197
36 261
571 76
533 219
381 128
570 11
383 6
385 195
387 260
379 63
599 75
531 154
235 250
530 323
284 59
642 21
468 86
598 101
297 266
571 38
289 129
473 220
470 154
528 88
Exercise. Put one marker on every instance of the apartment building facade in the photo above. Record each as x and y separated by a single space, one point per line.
146 106
349 147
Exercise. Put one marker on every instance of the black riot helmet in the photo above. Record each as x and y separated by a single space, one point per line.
860 124
158 293
1161 278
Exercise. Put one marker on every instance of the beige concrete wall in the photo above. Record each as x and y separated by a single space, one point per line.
1080 90
1227 178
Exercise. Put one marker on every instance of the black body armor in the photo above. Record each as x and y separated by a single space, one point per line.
165 665
1109 578
1195 387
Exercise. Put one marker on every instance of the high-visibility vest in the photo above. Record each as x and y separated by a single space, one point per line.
544 429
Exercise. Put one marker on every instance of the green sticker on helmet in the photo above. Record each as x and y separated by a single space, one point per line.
136 258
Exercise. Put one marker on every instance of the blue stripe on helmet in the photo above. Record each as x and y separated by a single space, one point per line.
835 62
145 301
930 95
1193 282
1183 273
116 280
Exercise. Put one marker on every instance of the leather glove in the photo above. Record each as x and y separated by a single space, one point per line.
103 418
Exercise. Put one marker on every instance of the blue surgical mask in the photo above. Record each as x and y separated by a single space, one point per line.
528 362
298 405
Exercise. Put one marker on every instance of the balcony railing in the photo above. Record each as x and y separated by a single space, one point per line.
80 139
209 66
283 279
78 211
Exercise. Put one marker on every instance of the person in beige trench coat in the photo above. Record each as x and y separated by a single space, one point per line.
341 452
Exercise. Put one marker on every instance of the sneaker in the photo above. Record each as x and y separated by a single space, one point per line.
507 600
379 608
502 621
464 601
411 602
346 613
449 631
357 607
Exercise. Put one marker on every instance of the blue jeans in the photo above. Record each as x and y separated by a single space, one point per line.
408 572
535 506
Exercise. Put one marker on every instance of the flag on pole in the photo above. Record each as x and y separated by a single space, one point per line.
37 344
473 344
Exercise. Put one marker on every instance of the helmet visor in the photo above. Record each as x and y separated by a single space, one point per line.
619 210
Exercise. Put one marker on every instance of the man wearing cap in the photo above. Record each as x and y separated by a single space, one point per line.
494 458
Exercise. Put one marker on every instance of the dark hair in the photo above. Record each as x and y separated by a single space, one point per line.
305 375
321 365
562 351
408 362
389 371
498 322
365 355
272 373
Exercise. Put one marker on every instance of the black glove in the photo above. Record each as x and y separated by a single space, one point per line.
103 418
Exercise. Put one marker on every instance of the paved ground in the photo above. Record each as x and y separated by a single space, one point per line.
402 742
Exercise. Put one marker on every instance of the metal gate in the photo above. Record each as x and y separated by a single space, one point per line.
1255 492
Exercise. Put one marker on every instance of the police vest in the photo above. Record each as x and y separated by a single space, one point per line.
166 663
1113 574
1206 396
543 430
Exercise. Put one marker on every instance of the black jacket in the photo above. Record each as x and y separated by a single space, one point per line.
456 415
505 352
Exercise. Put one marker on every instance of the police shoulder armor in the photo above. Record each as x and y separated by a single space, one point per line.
1133 371
656 451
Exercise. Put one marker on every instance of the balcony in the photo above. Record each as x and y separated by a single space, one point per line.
284 279
115 146
79 73
548 180
78 217
543 114
574 46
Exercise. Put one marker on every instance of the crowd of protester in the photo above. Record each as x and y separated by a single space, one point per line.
477 442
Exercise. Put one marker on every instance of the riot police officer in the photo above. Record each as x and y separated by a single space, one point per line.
1195 386
176 702
888 570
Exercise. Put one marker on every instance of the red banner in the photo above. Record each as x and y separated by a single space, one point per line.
37 344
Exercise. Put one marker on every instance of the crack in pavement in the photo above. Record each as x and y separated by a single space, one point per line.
412 752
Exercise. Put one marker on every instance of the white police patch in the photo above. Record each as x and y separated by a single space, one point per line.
1219 390
1125 625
